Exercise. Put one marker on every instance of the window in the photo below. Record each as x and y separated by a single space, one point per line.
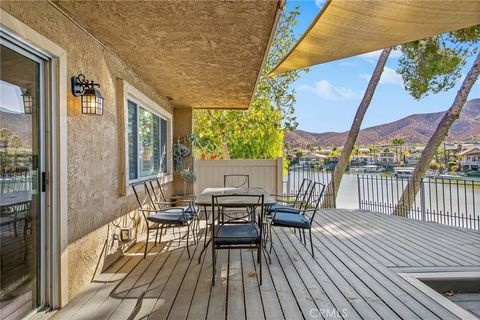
147 142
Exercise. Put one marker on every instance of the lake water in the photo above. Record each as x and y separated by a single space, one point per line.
453 202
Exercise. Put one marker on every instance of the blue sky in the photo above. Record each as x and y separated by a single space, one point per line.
328 96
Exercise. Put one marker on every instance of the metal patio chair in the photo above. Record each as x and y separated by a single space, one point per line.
285 202
160 219
301 221
236 181
237 225
186 202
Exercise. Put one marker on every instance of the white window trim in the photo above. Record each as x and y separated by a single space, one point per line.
134 95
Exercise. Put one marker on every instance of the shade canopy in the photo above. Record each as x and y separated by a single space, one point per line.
346 28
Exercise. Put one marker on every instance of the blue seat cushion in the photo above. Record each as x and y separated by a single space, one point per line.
291 220
282 208
236 234
186 209
171 217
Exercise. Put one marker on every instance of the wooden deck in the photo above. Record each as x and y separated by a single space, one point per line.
354 275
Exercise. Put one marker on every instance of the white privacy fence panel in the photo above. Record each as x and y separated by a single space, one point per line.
262 173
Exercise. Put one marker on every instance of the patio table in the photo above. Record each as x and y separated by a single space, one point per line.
205 200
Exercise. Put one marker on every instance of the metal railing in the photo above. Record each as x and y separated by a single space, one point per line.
441 200
295 175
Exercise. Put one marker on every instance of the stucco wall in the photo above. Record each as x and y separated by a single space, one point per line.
94 204
182 128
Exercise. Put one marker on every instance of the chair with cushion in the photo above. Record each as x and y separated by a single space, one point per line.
159 219
301 221
186 202
237 225
285 202
236 181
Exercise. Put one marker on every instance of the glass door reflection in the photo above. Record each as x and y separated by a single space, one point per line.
20 163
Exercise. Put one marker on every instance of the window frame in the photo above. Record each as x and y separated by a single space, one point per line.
142 101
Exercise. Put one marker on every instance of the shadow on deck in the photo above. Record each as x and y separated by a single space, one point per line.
354 275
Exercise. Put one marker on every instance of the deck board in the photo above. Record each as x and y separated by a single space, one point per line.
393 288
446 254
253 299
353 275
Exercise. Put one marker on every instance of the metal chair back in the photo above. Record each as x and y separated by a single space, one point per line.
303 193
145 201
236 181
314 199
237 229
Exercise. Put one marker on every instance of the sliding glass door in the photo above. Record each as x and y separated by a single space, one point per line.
21 167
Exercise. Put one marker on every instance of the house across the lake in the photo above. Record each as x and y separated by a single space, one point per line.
311 159
388 158
470 159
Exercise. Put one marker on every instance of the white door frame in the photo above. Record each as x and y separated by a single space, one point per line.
55 288
42 61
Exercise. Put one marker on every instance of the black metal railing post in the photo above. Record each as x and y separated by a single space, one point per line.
359 194
422 200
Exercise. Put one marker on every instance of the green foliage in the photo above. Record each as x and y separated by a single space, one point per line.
187 175
436 166
434 64
398 142
335 152
374 149
256 133
13 152
182 157
180 153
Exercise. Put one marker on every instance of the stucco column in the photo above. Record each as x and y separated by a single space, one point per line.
182 127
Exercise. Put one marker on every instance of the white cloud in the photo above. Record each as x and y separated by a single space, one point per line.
346 64
326 90
320 3
389 75
365 76
374 55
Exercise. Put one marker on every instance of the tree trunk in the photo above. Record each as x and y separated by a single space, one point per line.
333 186
409 193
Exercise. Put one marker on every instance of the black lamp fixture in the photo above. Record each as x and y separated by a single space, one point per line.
92 100
27 101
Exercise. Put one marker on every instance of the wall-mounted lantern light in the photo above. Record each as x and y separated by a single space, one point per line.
27 101
92 100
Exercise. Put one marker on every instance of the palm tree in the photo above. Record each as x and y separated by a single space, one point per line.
374 151
342 163
398 142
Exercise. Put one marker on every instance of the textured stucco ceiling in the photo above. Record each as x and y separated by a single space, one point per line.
203 54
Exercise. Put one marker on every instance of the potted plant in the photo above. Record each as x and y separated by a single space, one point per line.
182 158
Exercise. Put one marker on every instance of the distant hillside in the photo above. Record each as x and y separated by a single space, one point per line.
18 123
416 128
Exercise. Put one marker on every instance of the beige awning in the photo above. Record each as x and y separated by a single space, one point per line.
346 28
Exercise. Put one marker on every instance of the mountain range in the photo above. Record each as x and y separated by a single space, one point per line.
19 124
415 129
